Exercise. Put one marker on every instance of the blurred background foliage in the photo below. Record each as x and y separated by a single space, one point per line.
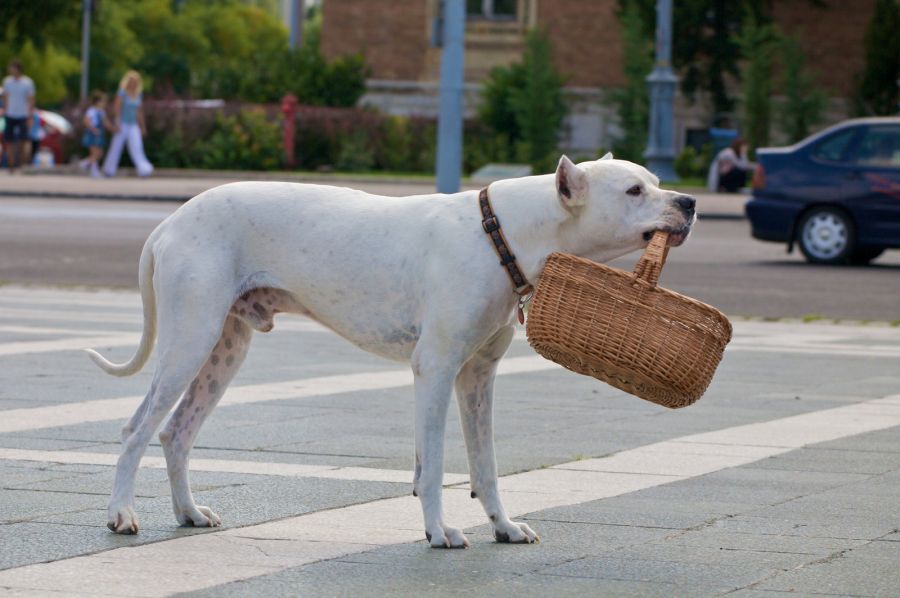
726 52
212 49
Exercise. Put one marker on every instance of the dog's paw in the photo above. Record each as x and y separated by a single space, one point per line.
511 532
447 537
198 516
122 520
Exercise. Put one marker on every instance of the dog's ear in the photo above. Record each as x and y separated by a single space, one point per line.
607 156
571 184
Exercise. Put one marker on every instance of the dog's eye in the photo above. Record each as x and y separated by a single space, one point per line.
634 191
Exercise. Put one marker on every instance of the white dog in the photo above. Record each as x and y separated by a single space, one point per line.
414 279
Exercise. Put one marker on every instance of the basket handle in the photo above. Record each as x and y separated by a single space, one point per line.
649 267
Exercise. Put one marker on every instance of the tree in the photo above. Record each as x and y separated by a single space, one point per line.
705 51
704 47
232 49
495 109
317 82
633 101
170 46
48 67
804 103
538 105
523 103
877 93
26 22
757 43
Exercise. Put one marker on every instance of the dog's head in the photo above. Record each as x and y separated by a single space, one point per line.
617 205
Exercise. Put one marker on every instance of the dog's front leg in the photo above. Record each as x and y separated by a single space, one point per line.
433 387
475 394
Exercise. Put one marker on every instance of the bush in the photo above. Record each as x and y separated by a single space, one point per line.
329 138
356 154
315 81
197 134
246 141
690 164
176 130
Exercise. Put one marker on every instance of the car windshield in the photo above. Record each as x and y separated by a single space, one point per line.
879 146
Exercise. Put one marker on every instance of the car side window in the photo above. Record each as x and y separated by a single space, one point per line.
834 148
879 146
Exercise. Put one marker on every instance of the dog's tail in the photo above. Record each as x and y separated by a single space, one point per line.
148 297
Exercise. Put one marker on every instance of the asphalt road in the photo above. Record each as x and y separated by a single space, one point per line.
97 243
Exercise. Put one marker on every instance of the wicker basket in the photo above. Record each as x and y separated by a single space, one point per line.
621 328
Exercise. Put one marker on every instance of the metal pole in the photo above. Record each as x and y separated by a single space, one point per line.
450 117
660 151
85 47
298 12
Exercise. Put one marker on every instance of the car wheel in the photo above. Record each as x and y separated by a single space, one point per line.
864 255
826 236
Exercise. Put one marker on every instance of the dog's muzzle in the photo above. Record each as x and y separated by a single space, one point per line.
687 206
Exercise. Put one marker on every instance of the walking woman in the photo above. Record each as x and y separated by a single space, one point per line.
130 127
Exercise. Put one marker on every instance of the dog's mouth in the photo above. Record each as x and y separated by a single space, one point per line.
677 236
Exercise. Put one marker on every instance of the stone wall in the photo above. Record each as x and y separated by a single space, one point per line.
587 40
395 36
392 34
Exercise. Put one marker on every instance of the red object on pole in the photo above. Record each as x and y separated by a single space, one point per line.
289 112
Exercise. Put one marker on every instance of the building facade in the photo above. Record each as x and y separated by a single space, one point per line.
397 38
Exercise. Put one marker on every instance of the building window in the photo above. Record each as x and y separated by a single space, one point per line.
495 10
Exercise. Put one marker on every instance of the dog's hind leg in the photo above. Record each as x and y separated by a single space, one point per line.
475 394
179 433
189 325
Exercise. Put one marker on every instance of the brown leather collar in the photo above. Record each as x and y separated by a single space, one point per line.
491 226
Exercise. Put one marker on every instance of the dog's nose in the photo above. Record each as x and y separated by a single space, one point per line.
686 203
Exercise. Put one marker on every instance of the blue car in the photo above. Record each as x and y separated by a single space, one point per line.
836 194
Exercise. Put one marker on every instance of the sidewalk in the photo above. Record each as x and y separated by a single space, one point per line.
175 185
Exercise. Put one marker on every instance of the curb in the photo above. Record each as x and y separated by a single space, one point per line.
104 196
247 175
184 198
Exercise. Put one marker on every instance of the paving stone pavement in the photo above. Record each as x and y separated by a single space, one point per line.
784 478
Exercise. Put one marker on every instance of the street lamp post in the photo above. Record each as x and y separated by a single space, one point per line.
85 47
450 117
660 152
297 13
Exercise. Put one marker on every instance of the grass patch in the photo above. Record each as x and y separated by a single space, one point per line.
812 318
689 183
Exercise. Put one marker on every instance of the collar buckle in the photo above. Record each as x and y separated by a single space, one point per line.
490 224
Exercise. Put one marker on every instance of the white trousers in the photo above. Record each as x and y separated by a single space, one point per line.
131 133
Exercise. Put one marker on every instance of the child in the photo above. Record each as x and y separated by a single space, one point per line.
94 140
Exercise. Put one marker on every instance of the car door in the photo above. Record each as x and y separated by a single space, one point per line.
822 177
872 185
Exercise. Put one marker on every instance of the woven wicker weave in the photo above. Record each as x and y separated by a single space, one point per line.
621 328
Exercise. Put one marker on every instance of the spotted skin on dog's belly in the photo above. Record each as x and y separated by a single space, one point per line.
259 306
